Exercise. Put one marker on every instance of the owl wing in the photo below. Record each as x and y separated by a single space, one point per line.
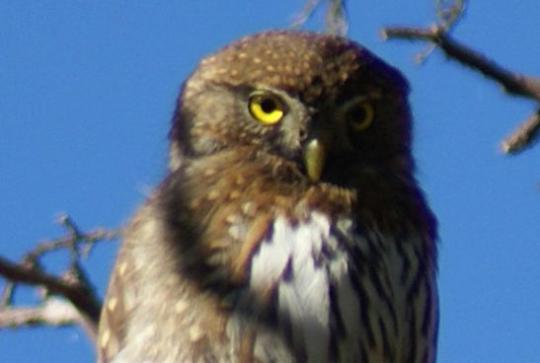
115 311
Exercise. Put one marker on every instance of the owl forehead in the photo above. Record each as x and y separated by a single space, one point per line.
303 63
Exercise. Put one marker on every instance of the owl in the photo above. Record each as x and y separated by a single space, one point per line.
290 226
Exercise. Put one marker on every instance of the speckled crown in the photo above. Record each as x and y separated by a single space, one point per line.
300 62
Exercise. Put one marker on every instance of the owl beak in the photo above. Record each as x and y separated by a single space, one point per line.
314 159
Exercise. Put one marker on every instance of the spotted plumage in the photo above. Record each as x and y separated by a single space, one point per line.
290 227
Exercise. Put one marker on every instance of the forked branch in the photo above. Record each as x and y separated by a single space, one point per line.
67 299
514 83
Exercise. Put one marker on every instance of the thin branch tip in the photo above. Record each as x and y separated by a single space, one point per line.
526 135
72 288
513 83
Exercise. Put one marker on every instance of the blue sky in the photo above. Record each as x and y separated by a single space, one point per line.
87 88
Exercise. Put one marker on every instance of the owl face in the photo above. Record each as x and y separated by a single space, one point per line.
319 101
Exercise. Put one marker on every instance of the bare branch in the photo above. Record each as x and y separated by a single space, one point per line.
52 312
7 294
73 284
55 312
87 240
514 83
524 136
80 295
306 13
449 12
336 16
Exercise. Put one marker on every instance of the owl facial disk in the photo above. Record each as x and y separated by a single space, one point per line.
354 116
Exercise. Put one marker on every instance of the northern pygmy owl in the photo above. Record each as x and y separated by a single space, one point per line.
290 226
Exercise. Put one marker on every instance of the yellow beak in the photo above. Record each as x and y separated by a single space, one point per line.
314 159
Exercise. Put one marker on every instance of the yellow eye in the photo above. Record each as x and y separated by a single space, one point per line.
266 108
360 115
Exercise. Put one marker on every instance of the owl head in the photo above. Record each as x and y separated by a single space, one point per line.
322 102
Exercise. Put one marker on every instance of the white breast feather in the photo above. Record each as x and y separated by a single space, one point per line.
303 298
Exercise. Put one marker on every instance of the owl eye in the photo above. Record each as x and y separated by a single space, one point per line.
360 115
266 108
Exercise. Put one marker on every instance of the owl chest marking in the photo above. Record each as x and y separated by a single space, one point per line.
291 265
310 271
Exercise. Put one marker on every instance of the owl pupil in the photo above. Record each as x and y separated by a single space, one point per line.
358 114
268 105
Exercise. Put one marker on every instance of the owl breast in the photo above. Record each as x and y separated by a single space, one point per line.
337 295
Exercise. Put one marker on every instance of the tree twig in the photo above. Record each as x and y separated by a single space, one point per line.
73 284
85 239
52 312
306 13
80 295
524 136
449 12
514 83
55 312
7 294
336 16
